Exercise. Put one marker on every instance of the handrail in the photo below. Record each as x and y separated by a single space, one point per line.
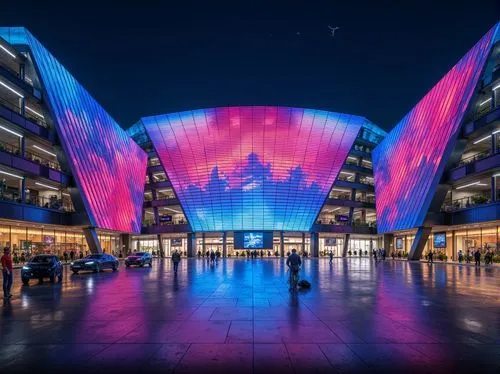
30 156
39 201
466 202
16 109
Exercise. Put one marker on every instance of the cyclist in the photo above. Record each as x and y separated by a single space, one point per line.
293 262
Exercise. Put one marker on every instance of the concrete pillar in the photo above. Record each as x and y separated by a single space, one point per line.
191 244
22 106
22 71
160 246
419 243
493 143
92 239
224 244
22 146
388 243
346 244
493 189
22 190
314 244
282 244
203 245
125 243
454 255
304 242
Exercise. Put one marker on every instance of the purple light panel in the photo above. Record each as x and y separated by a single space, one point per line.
109 167
409 162
252 168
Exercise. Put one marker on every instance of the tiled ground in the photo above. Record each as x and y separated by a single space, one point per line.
239 316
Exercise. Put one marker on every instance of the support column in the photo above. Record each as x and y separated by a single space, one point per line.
160 246
191 244
224 244
304 243
314 244
388 243
92 239
22 146
419 243
22 190
282 244
22 104
126 243
346 244
203 245
22 71
454 255
493 188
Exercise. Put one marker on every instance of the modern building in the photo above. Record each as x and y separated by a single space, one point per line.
70 177
436 172
303 177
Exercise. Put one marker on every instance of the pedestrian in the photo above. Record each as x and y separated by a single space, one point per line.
429 257
81 255
72 255
212 257
393 253
375 255
176 258
477 257
65 256
331 256
467 259
460 256
217 255
6 273
383 254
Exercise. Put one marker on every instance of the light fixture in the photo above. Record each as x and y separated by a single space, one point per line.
163 191
485 101
12 90
370 194
172 210
148 212
346 173
34 112
478 183
496 175
46 186
352 158
11 132
486 137
7 51
339 190
65 194
12 175
44 150
368 162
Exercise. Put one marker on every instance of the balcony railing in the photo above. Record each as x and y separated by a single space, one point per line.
473 158
467 202
17 109
39 201
28 155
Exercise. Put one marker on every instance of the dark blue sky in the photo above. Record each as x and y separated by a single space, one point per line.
167 56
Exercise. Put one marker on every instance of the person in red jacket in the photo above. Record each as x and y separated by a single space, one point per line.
7 273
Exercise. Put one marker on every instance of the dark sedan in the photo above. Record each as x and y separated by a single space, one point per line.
139 259
42 266
95 263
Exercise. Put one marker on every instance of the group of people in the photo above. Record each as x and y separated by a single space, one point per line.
476 254
378 255
71 255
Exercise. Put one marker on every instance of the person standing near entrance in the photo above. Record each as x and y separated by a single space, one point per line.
176 258
7 273
477 257
331 256
460 256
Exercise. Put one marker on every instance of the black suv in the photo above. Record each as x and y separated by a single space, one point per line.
42 266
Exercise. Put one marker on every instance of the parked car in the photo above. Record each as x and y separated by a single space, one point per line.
139 259
95 263
42 266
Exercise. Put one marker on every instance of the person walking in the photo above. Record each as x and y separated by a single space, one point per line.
65 256
375 256
467 259
430 255
212 257
6 273
331 256
460 256
477 257
176 258
72 255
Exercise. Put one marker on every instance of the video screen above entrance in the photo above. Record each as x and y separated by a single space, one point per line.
253 240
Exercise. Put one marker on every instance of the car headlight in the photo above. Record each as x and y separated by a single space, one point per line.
26 267
72 263
89 263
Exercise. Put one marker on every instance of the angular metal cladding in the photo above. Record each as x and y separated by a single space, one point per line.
410 161
108 166
252 168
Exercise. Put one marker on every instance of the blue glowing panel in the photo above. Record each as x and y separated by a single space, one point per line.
108 167
252 168
410 161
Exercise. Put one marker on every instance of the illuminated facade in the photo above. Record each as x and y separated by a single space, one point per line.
439 165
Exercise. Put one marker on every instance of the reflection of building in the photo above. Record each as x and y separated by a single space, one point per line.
217 171
436 172
62 158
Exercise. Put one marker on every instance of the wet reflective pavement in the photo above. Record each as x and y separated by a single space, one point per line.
239 315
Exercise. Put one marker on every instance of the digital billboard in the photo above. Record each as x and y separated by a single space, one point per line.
440 240
176 242
410 161
108 166
253 240
252 168
399 243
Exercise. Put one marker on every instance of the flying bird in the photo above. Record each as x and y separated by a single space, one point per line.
332 30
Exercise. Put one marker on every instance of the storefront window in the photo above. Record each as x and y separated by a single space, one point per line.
34 240
4 236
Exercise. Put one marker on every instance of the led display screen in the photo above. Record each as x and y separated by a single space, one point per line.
409 162
399 243
252 168
176 242
253 240
440 240
108 167
330 242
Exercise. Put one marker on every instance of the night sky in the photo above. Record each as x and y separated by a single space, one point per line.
168 56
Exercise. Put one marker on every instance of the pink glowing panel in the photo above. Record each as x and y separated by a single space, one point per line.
409 163
252 168
108 166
